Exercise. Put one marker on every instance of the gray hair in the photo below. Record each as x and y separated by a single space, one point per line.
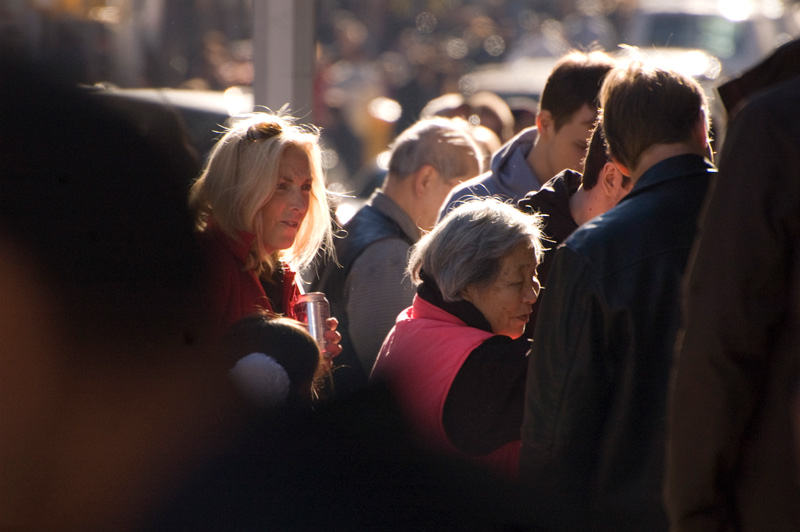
444 143
467 246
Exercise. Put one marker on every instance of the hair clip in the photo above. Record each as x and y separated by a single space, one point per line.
263 131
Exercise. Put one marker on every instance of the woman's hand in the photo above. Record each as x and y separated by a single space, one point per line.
332 339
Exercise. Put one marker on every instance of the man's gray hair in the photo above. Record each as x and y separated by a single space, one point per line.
444 143
467 246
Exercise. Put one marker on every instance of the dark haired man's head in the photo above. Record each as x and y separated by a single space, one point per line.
596 158
575 81
602 184
568 111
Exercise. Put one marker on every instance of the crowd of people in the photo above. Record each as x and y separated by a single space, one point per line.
588 326
409 52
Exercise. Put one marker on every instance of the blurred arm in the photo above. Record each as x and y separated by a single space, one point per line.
737 293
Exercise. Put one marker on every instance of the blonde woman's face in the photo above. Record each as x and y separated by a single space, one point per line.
283 213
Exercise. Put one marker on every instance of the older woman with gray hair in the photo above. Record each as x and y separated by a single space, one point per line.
456 358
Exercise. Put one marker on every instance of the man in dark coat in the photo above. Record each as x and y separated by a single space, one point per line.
732 457
593 430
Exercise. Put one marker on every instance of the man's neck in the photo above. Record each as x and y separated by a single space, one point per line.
660 152
402 195
587 204
539 164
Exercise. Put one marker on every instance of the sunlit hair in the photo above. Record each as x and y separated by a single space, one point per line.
596 157
468 245
444 143
575 81
240 176
644 105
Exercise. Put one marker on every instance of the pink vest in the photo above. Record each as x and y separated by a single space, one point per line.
420 359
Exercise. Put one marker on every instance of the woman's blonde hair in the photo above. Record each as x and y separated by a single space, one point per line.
240 176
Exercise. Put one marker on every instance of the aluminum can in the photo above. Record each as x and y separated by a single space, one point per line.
313 309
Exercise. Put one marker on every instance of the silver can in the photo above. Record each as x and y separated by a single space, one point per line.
313 310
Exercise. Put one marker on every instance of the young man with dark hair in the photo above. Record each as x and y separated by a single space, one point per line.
567 113
594 431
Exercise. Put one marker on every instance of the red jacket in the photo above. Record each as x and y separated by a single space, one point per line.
420 359
234 291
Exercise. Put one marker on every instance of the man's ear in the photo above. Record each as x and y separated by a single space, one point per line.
621 167
545 124
424 179
610 179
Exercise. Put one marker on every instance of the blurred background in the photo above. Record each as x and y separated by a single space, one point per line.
377 62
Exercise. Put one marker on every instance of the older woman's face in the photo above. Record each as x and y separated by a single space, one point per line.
283 213
508 301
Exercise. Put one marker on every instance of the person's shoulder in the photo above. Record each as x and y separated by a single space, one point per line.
373 219
525 137
222 249
376 253
523 140
366 213
602 233
477 187
565 183
382 252
215 244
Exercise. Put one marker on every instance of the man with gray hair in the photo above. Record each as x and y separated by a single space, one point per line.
368 287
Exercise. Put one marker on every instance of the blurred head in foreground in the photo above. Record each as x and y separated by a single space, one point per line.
112 387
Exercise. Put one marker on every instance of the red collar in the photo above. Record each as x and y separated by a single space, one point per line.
239 246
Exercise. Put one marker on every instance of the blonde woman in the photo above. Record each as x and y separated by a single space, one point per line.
261 206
